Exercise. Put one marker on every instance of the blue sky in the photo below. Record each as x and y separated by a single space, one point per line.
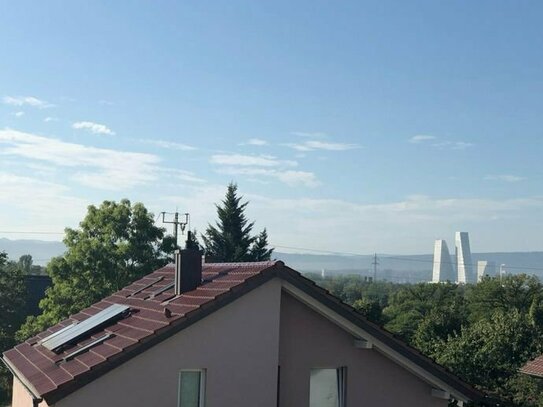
350 126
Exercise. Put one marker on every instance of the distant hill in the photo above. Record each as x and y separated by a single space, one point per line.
399 268
410 268
40 250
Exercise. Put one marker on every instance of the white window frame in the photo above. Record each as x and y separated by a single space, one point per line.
202 396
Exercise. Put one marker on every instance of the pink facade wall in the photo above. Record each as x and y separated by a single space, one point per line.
21 397
308 340
238 345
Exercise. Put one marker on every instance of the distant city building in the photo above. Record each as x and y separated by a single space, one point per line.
464 265
485 268
443 269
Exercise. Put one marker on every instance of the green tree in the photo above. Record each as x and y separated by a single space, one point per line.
409 306
230 239
115 244
25 263
489 352
512 292
12 305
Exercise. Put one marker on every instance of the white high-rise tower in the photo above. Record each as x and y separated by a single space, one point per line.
443 270
464 264
485 268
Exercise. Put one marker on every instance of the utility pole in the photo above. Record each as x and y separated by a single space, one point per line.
375 263
176 223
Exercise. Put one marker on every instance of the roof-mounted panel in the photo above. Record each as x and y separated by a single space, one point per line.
57 341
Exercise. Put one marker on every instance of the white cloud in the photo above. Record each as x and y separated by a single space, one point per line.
289 177
313 145
95 167
445 144
313 135
504 178
26 101
19 114
250 160
51 207
169 145
50 119
175 175
420 138
405 226
95 128
256 142
454 145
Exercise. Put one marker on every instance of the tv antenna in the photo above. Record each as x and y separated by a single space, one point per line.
177 224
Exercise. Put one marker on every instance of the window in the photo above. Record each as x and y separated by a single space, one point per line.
327 387
191 388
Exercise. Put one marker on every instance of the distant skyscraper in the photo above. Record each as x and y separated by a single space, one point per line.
485 268
464 265
443 269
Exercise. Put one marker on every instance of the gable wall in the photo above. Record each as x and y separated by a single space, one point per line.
238 345
21 397
309 340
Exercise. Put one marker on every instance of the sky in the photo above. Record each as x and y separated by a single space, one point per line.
353 126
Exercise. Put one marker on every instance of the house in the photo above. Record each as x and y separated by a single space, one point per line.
225 334
534 367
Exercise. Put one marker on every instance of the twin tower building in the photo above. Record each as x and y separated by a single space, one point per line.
461 270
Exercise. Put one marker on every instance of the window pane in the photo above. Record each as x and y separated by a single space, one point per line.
323 388
189 389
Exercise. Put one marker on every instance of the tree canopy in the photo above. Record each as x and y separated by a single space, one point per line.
12 313
115 244
230 240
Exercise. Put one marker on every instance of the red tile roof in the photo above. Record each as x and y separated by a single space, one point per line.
47 374
43 373
534 367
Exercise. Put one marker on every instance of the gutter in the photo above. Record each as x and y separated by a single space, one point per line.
36 400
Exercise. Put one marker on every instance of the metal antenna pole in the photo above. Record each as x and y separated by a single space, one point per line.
375 263
176 223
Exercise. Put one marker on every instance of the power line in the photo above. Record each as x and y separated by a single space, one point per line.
509 266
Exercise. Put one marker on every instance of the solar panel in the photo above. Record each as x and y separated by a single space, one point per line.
54 334
75 332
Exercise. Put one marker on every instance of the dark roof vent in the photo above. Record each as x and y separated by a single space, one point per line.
188 270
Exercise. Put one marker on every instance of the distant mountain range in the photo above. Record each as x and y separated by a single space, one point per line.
411 268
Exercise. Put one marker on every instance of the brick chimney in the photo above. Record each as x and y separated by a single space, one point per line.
188 270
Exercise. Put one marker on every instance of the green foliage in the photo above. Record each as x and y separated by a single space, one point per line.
512 292
230 239
115 244
12 305
489 352
425 304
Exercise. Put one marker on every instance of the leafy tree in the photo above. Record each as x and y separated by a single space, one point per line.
230 239
115 244
12 301
489 352
25 263
512 292
370 309
410 305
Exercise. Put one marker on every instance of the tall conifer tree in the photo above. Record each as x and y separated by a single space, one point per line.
230 239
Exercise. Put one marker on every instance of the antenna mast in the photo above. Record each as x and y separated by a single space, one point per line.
375 263
176 223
